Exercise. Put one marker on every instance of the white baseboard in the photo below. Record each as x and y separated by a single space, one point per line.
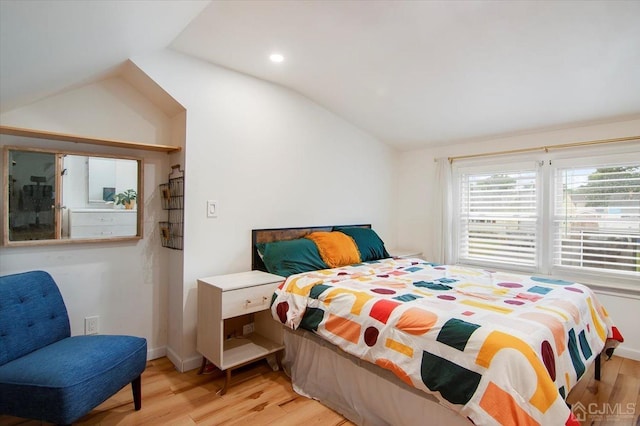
156 353
623 352
192 363
175 359
184 365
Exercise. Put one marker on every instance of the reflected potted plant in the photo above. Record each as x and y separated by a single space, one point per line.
126 198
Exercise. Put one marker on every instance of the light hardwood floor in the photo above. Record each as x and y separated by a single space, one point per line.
612 401
264 397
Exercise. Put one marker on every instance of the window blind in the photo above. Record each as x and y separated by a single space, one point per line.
498 217
597 217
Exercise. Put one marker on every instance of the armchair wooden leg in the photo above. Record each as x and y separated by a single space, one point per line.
136 386
597 362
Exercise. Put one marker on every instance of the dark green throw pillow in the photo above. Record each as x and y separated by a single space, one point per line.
369 244
290 257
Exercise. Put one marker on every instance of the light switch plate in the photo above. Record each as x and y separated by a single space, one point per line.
212 208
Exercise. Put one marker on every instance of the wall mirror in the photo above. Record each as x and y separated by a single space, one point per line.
56 196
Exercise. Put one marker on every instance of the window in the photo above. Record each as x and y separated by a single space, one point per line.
499 215
561 216
596 220
56 196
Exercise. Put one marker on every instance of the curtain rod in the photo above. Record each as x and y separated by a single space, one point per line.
546 148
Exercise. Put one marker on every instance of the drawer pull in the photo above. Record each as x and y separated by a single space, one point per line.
256 302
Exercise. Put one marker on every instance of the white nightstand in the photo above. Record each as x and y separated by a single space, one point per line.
224 297
404 253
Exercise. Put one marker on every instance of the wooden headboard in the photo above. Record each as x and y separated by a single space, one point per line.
280 234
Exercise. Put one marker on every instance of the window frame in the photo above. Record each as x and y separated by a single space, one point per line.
490 166
58 200
614 159
549 162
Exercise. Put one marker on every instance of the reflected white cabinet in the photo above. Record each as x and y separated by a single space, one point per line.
102 223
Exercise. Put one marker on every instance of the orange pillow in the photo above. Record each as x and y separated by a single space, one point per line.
336 249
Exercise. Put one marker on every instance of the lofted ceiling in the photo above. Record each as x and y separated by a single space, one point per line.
47 46
411 73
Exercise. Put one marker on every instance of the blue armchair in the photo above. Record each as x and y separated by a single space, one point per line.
44 373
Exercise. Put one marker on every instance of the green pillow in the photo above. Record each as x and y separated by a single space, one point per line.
369 244
290 257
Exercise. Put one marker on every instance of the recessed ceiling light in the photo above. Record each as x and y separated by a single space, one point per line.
276 57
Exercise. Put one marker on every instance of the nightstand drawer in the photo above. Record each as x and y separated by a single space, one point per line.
247 300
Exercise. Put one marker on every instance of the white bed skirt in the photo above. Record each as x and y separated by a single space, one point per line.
362 392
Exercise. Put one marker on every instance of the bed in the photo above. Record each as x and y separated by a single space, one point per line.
398 341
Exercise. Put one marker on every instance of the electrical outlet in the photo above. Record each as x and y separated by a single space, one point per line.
248 328
91 325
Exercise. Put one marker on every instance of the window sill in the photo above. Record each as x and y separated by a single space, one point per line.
624 285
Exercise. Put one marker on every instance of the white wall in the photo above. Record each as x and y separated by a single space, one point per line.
127 114
126 284
415 226
176 264
272 158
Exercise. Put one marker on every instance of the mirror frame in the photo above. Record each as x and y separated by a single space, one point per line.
58 199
